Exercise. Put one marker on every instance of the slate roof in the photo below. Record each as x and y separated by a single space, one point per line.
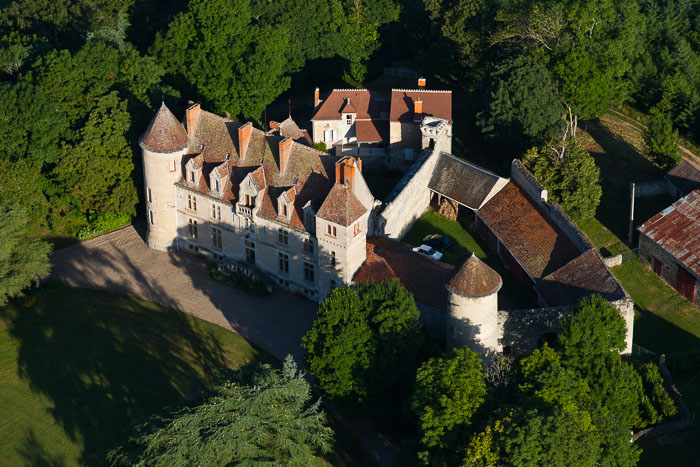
341 206
685 176
423 277
583 276
368 105
165 133
310 172
435 104
461 181
536 243
676 229
475 279
372 131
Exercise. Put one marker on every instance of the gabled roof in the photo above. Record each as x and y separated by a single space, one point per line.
475 279
532 238
165 133
423 277
585 275
341 206
685 176
368 105
347 107
289 128
435 104
461 181
676 229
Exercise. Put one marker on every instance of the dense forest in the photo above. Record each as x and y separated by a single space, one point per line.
81 78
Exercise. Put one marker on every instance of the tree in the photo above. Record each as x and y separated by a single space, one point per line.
23 260
364 346
260 416
572 181
661 140
523 108
448 392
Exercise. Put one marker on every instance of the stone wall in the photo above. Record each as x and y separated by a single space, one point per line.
653 188
434 320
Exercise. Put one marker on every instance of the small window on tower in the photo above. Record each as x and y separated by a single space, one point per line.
172 166
150 198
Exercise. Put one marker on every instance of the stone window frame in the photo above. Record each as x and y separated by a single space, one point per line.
309 272
283 262
283 236
192 225
216 237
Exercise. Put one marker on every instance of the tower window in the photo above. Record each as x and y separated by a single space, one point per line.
356 229
150 198
332 259
171 166
330 230
150 217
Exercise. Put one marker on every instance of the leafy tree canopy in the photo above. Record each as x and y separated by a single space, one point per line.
261 416
661 140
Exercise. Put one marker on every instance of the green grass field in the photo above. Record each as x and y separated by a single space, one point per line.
79 367
464 242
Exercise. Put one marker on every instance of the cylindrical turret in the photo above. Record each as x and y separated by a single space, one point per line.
163 144
472 318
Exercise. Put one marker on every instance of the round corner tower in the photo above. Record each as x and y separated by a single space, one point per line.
163 145
472 305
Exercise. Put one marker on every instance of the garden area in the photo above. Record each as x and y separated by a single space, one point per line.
464 242
79 367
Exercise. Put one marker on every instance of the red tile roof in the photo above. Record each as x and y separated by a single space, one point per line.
368 105
341 206
475 279
423 277
372 131
435 104
676 229
289 128
347 107
536 243
165 133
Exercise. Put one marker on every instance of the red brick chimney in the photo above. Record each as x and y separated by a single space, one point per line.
417 110
243 138
359 164
317 97
285 147
191 115
421 82
345 171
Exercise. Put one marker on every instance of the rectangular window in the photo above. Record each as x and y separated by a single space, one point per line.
150 199
284 263
330 230
283 237
356 229
171 166
284 210
194 203
189 201
308 272
218 212
249 225
216 183
216 237
150 217
333 286
192 224
191 172
308 245
348 119
213 211
332 259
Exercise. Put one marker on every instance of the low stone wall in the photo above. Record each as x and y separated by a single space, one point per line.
523 328
653 188
612 261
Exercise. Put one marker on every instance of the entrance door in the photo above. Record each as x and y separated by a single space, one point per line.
685 284
250 256
657 266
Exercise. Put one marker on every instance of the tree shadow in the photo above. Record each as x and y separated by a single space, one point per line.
35 455
106 363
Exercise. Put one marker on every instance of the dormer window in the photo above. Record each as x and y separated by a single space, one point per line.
249 200
191 175
348 119
217 188
284 210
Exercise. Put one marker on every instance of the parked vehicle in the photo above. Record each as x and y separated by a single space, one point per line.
429 251
437 241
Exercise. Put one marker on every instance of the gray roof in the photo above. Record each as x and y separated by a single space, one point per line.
685 176
461 181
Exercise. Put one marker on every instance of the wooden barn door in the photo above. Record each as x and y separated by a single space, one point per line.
657 266
685 284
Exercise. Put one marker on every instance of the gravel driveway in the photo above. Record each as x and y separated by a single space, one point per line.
121 262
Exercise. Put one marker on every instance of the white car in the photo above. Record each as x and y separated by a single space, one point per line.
428 251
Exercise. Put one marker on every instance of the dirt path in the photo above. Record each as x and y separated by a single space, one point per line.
121 262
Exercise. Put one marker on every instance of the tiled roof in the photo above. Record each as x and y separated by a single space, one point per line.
685 176
289 128
676 229
165 133
435 104
475 279
461 181
536 243
368 105
423 277
581 277
347 107
341 206
372 131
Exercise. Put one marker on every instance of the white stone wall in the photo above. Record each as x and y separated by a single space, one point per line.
344 133
159 192
473 322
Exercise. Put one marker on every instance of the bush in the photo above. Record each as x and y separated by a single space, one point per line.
661 140
249 284
657 403
321 146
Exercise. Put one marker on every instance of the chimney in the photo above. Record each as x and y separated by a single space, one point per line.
317 97
338 173
544 195
274 124
285 147
417 110
191 115
243 139
421 82
359 164
349 173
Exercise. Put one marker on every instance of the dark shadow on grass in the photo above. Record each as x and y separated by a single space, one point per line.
106 364
658 335
35 455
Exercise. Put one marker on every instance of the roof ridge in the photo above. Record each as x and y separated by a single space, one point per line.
421 90
350 89
470 164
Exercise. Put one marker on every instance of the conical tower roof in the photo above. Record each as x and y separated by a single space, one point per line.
165 133
475 279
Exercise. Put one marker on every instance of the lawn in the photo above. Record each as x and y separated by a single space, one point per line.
79 367
464 242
